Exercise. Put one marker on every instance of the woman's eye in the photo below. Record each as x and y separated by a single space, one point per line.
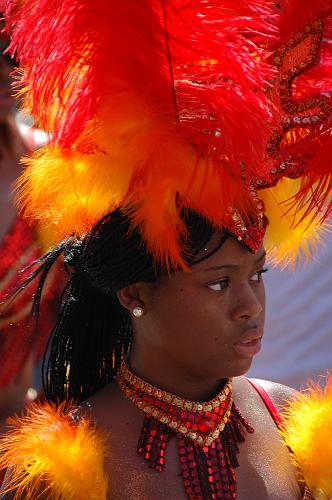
219 286
258 275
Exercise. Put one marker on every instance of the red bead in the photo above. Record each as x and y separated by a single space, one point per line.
204 424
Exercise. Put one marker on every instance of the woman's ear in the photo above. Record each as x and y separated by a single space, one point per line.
133 298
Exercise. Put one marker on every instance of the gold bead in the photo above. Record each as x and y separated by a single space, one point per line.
208 441
199 440
215 434
198 407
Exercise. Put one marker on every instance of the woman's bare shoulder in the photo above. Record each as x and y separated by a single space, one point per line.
280 394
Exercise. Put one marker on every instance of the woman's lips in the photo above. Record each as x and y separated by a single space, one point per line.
250 343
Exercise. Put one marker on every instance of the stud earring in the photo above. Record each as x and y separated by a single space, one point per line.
138 312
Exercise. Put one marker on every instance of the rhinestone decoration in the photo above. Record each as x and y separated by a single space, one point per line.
207 435
137 312
302 116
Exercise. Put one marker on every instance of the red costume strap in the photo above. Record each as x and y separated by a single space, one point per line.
276 418
267 401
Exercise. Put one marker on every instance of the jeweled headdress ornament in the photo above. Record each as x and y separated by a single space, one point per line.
157 107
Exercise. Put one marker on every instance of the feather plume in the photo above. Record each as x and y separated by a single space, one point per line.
296 14
303 95
307 432
47 452
143 95
292 235
314 196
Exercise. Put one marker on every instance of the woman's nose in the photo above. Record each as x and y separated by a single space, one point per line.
248 303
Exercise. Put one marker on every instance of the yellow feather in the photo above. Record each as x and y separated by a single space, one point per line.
289 239
307 432
47 451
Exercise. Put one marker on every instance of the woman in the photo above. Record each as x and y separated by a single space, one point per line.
191 332
21 344
155 181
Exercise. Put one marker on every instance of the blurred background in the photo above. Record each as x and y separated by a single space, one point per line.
297 343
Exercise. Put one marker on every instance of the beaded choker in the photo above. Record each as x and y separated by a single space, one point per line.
207 435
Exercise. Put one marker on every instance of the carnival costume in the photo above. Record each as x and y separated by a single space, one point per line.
19 334
170 121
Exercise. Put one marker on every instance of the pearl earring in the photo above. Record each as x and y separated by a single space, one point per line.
138 312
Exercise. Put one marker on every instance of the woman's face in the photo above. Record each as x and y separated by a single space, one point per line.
208 322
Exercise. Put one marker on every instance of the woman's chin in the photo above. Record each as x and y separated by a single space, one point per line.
219 371
238 368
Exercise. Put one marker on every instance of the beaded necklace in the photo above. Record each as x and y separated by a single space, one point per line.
207 435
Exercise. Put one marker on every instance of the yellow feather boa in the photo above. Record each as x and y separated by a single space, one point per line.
308 433
50 453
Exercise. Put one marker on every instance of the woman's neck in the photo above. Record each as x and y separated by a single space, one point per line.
168 377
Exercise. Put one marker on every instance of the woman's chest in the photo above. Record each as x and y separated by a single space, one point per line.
264 473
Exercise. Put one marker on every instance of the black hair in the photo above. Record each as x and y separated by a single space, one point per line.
93 331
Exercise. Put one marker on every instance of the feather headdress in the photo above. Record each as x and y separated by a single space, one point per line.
161 105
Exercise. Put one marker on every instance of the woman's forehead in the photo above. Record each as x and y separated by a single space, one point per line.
230 254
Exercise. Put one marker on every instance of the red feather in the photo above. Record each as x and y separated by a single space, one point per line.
305 70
